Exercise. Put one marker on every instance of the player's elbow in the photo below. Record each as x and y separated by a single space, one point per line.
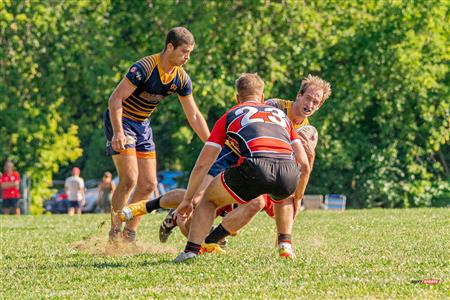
305 168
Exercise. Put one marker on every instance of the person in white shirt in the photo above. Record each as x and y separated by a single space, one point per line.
74 188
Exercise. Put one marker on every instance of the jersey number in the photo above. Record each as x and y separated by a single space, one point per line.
272 114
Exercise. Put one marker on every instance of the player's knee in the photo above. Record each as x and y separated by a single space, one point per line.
128 182
256 205
147 188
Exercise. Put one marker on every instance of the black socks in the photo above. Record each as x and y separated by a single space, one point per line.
284 238
153 204
192 247
217 234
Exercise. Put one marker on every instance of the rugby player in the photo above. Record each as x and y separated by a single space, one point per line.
267 143
127 125
312 94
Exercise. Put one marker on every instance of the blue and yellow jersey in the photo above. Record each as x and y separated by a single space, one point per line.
152 85
286 107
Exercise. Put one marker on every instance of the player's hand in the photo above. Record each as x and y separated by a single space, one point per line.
118 142
297 205
184 210
310 152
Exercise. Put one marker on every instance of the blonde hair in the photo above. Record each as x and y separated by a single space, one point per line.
249 84
318 82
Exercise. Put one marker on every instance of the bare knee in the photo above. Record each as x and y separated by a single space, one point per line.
256 205
146 188
127 182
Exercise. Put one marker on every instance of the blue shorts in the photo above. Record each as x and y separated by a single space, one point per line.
139 137
74 204
226 159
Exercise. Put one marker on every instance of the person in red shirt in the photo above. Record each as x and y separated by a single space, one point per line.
10 189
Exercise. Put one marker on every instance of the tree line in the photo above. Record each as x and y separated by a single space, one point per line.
384 132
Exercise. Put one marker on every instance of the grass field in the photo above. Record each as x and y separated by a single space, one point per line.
355 254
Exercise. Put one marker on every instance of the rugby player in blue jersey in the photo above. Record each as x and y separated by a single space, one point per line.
127 121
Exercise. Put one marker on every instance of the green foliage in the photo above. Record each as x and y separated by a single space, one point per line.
383 132
370 254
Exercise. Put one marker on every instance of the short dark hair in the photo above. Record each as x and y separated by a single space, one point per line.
178 36
249 83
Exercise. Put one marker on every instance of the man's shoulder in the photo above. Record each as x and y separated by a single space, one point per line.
278 102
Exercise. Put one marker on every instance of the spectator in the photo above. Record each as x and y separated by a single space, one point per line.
105 190
74 188
10 182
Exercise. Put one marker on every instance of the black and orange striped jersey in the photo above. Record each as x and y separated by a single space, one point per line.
255 130
286 107
152 85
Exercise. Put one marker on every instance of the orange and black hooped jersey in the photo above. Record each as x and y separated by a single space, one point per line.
255 129
152 85
286 107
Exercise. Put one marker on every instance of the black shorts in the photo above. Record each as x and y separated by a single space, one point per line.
11 203
261 175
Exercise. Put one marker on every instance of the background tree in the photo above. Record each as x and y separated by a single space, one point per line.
383 134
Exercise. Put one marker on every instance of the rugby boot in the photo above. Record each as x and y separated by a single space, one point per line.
165 230
211 248
114 235
128 235
184 256
133 210
116 228
223 243
285 250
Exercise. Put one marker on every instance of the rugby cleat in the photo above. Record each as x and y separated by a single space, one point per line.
211 248
285 250
184 256
133 210
128 235
114 235
223 243
167 226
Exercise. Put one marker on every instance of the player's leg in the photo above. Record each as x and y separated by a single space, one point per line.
236 219
127 169
284 218
215 196
169 222
146 184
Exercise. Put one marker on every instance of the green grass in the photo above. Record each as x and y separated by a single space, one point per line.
354 254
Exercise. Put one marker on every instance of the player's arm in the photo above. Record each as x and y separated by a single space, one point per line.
302 159
309 149
207 156
122 91
194 117
204 162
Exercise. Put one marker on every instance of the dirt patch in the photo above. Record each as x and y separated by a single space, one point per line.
98 244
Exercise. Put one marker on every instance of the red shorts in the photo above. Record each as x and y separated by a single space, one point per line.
223 211
268 208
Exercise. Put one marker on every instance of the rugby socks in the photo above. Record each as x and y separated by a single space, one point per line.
217 234
153 204
192 247
284 238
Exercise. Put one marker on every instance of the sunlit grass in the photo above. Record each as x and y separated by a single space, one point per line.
365 253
